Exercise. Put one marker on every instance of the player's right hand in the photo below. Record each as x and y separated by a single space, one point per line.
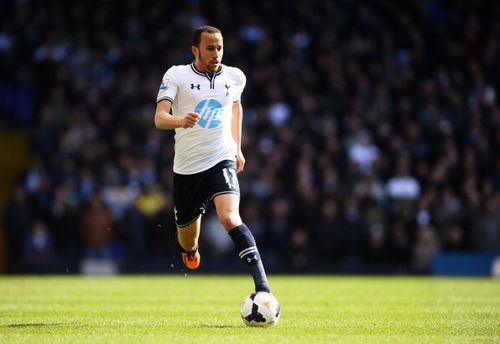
190 120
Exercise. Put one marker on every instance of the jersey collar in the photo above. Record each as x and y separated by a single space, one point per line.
208 76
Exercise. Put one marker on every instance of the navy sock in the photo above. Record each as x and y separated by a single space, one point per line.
249 254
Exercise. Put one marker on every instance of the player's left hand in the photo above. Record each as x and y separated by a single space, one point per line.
240 162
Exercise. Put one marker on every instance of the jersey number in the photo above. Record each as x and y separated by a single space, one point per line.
230 177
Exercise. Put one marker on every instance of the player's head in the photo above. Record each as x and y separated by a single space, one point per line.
207 48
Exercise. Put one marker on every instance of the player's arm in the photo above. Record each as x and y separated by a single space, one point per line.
164 120
236 126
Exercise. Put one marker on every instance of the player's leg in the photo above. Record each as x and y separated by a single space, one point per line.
190 195
188 236
227 207
187 239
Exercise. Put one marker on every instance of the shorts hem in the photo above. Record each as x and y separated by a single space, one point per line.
224 192
188 223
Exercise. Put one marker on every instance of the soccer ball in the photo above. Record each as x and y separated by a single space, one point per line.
260 309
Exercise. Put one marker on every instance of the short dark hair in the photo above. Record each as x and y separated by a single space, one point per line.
197 33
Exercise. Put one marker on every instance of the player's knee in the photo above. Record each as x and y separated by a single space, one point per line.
230 220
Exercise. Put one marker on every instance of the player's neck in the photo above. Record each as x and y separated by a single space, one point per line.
203 70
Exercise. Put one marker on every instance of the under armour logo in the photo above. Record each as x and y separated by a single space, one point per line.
252 258
227 89
193 86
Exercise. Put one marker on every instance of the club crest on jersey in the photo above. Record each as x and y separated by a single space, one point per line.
210 111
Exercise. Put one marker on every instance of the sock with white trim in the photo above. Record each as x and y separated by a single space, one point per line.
249 255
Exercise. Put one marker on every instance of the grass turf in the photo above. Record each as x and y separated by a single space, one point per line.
199 308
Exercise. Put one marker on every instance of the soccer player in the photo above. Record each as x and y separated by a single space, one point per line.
202 102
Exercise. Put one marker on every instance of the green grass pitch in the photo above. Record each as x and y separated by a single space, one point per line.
205 309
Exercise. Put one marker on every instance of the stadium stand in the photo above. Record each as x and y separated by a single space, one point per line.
371 131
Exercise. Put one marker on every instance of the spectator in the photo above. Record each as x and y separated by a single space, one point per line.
97 229
39 246
426 247
403 185
17 221
486 233
419 80
455 239
364 153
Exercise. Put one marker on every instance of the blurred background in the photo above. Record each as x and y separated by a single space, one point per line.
371 134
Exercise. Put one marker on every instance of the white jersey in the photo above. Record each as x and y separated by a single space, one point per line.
210 141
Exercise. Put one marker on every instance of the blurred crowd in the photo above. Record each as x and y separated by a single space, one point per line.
371 129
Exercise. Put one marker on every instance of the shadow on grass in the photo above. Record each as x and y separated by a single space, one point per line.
36 325
216 326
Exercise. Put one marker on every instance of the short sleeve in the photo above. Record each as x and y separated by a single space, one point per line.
242 80
168 87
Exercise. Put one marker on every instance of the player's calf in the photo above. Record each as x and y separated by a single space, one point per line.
249 255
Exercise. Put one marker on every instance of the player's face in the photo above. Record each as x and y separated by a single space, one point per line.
208 55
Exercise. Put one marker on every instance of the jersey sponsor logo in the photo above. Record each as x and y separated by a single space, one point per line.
197 86
210 111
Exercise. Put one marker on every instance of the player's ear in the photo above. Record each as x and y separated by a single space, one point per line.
194 50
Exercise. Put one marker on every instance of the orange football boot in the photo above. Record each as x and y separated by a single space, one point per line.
191 259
